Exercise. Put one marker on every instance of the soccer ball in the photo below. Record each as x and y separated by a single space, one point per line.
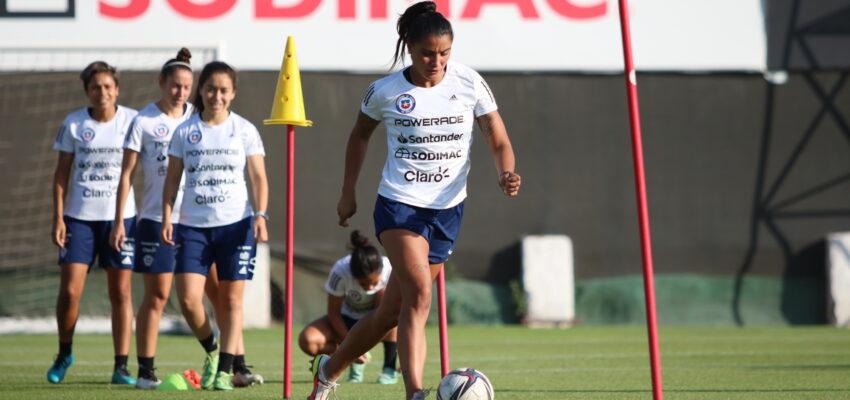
465 384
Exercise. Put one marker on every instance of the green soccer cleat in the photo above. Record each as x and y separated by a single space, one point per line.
322 389
56 373
223 381
388 377
210 367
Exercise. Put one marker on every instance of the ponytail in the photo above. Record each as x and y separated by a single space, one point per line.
418 22
365 258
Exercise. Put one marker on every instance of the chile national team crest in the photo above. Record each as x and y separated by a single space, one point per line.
88 135
405 103
194 137
160 131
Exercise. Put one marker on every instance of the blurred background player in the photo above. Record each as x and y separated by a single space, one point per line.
148 139
212 149
89 143
355 286
420 199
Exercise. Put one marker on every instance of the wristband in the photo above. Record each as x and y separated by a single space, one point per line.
262 214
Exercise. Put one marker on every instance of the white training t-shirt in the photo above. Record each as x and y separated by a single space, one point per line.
215 193
97 164
356 301
429 134
150 135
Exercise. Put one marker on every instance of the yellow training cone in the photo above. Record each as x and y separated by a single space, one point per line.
288 107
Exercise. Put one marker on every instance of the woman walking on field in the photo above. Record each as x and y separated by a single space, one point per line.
212 149
89 144
428 109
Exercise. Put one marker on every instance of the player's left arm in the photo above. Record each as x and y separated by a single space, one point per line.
496 136
260 189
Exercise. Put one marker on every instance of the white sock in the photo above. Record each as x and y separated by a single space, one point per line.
322 376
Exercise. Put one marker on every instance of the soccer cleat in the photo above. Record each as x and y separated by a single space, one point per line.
210 367
248 378
388 377
355 372
322 390
56 373
421 395
120 376
223 381
146 383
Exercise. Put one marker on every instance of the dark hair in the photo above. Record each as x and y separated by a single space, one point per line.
418 22
179 61
365 258
211 68
95 68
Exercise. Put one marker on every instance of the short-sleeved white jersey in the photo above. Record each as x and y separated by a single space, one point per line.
214 158
356 301
429 134
150 135
97 164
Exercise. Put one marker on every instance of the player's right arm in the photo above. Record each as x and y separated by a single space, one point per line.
169 196
335 316
355 153
60 187
128 166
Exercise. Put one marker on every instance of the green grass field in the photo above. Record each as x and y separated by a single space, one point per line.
578 363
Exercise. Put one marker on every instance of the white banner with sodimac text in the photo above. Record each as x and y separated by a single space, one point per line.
359 35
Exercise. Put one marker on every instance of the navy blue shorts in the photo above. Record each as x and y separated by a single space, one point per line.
230 247
86 240
439 227
153 257
349 322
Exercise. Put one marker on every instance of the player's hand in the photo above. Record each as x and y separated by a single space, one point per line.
116 236
510 183
261 233
59 233
346 208
364 359
166 235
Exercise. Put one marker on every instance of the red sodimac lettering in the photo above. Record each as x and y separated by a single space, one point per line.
346 9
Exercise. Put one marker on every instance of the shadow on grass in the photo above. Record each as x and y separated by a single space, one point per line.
800 366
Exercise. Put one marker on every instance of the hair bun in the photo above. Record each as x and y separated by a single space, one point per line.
184 55
358 241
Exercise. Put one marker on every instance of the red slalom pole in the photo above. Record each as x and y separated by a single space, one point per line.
443 322
290 228
643 213
288 109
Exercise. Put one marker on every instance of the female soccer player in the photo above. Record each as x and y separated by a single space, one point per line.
89 143
148 140
428 109
149 137
355 286
212 149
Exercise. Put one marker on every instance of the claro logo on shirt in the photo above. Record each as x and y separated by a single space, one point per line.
426 177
